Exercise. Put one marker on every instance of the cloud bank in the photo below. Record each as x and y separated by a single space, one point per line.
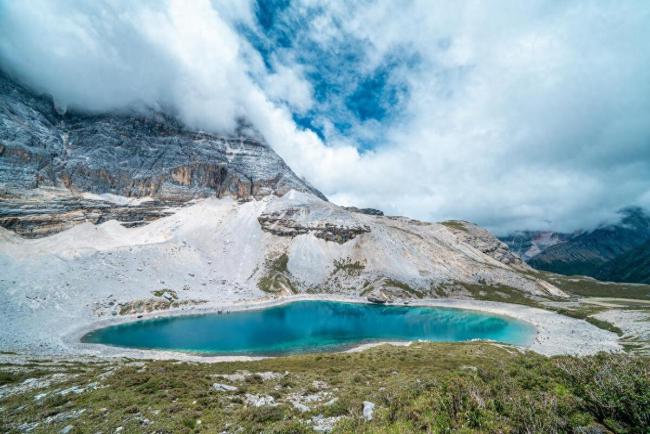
531 115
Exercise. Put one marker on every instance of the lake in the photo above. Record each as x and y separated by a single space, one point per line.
310 326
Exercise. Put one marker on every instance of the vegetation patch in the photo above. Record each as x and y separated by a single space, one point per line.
445 387
167 293
348 267
277 278
455 224
404 287
586 287
153 305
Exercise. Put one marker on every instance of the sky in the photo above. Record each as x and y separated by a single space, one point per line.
514 115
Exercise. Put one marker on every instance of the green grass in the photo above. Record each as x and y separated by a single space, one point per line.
586 287
468 388
510 295
404 287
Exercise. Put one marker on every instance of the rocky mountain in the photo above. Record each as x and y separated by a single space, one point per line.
605 252
49 154
112 214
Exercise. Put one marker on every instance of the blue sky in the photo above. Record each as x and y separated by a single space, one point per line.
515 115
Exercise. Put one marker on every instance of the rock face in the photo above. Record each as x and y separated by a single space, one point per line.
295 221
484 241
33 217
130 155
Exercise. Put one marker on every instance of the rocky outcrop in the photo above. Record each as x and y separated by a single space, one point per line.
368 211
287 223
484 241
38 217
129 154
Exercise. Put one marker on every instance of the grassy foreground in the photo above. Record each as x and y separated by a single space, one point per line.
470 387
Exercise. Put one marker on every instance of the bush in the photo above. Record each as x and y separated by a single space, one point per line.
614 388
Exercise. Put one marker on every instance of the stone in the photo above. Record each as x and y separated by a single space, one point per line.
220 387
368 410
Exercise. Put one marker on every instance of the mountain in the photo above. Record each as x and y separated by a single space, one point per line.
105 214
44 153
528 244
632 266
606 252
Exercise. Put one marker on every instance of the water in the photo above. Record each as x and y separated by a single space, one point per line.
308 326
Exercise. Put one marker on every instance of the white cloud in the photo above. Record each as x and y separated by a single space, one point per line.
518 114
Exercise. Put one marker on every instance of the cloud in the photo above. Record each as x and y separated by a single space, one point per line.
514 115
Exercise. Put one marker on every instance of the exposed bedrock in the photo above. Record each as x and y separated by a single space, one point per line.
287 223
130 154
39 217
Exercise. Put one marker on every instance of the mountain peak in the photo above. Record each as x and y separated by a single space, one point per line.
131 154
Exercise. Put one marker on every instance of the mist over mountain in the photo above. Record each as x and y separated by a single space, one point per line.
535 119
614 251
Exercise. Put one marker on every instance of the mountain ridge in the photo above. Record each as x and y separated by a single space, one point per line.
606 252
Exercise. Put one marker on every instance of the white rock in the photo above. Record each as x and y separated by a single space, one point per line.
368 410
259 400
324 424
220 387
300 407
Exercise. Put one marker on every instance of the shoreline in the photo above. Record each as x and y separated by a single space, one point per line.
555 334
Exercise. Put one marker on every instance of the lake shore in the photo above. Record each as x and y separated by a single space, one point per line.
555 333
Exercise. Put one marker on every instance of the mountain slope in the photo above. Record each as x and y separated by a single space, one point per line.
129 154
633 266
585 253
122 214
528 244
54 166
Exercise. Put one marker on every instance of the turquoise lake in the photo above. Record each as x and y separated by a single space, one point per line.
310 326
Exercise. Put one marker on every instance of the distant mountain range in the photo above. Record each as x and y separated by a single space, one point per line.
618 251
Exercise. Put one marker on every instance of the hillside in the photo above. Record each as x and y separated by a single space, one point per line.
632 266
604 253
115 214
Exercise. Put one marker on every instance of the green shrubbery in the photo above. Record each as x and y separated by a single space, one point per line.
436 388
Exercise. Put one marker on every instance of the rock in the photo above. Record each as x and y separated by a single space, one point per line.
483 240
125 154
291 222
368 410
67 429
259 400
220 387
321 423
368 211
377 297
301 407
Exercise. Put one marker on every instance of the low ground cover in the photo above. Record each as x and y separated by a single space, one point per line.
461 387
